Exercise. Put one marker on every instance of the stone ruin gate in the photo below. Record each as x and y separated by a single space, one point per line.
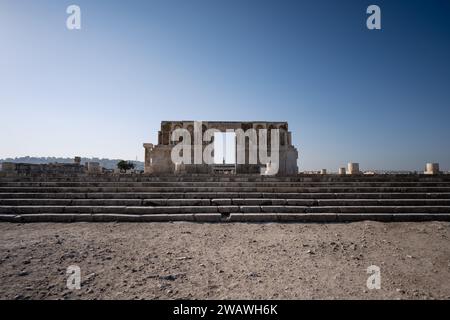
158 157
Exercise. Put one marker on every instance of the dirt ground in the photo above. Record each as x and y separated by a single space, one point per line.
225 261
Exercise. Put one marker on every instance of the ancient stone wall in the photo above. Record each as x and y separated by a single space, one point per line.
51 168
158 159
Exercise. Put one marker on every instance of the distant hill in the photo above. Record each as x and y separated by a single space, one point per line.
105 163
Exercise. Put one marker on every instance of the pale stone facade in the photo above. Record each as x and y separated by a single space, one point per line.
158 157
431 168
353 168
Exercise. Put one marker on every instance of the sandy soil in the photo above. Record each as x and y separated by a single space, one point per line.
225 261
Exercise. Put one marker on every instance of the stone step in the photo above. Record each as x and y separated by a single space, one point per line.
97 184
217 217
221 209
220 195
235 178
225 202
222 189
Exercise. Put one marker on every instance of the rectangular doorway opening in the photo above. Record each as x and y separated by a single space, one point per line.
224 148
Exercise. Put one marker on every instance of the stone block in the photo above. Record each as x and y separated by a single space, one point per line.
353 168
431 168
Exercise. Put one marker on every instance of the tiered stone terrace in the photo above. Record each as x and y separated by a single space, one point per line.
235 198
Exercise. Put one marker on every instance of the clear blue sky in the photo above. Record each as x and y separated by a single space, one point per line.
381 98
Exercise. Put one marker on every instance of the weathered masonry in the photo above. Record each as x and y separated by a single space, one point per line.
158 157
